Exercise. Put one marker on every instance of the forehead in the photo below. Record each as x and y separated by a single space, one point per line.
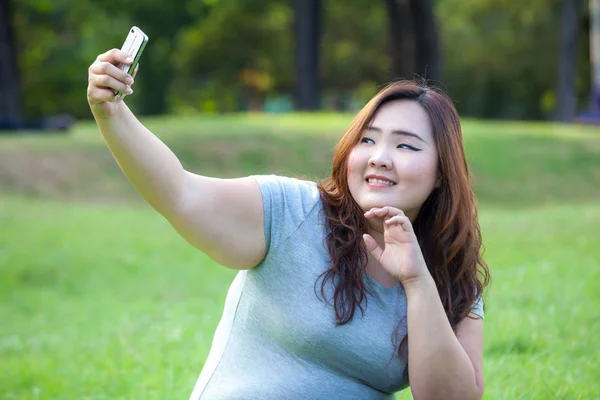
403 115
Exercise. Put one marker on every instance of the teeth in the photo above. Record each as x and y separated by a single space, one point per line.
381 181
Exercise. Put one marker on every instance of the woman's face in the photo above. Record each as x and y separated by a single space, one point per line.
395 161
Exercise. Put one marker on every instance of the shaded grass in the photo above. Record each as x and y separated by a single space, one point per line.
514 164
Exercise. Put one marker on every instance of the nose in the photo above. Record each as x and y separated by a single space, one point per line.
380 159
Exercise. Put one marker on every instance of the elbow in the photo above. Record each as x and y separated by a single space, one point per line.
466 393
478 387
478 392
473 393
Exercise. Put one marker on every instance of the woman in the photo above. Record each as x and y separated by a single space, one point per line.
347 287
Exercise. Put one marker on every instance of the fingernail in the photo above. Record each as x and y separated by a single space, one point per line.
128 90
129 59
129 80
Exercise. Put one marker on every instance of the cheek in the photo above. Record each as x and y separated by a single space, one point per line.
355 171
353 165
422 169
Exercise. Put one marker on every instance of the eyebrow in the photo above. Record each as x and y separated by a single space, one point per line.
398 132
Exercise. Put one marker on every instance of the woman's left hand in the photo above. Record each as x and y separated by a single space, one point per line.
401 256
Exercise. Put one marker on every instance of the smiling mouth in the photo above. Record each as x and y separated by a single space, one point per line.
380 182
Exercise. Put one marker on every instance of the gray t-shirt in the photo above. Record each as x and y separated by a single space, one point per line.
278 340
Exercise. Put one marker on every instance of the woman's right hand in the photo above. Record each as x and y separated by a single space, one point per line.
104 77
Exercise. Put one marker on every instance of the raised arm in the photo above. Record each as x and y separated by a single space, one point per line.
221 217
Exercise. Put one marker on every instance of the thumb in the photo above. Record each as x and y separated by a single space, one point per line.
373 247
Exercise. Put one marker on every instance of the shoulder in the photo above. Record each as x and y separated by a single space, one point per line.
287 204
285 182
287 189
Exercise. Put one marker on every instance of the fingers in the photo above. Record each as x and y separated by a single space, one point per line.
383 212
401 220
99 95
391 216
105 78
115 56
104 68
372 246
107 81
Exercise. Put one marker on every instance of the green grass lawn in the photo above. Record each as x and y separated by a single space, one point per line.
100 299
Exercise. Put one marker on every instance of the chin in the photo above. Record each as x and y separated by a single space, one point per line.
367 205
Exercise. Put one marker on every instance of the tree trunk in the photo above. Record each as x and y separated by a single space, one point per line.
308 17
595 39
428 63
595 55
401 39
9 78
567 99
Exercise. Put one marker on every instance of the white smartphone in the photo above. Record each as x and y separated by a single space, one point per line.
134 46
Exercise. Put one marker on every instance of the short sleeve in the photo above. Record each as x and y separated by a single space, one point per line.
286 203
477 307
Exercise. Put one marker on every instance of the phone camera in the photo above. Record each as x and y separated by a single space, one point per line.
132 31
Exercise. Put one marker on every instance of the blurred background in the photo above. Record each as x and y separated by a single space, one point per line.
101 299
497 58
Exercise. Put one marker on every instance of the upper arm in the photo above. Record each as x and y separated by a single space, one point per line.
223 218
469 333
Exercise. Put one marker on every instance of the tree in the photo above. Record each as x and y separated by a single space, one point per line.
413 39
501 57
237 68
426 39
566 94
595 55
401 38
9 77
307 32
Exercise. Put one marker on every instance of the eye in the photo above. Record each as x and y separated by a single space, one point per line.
408 147
366 140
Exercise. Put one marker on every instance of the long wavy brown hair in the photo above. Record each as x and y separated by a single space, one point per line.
446 227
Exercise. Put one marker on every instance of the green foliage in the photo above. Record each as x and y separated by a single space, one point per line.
500 56
355 56
235 55
55 47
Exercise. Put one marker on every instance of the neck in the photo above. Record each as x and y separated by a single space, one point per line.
375 227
